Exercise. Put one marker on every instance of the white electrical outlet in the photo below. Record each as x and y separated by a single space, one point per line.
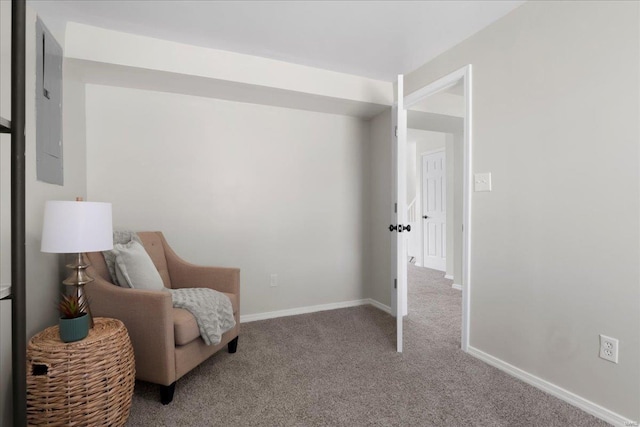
274 280
609 348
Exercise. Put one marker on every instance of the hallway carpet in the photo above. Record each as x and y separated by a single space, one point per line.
340 368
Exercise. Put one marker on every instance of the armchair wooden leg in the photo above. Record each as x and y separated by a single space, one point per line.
166 393
233 345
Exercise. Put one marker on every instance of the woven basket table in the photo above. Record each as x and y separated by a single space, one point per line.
83 383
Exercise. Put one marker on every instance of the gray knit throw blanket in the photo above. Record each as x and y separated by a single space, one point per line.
212 310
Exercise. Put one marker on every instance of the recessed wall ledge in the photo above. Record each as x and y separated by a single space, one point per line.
226 72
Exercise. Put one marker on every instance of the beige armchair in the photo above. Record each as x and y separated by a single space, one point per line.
166 340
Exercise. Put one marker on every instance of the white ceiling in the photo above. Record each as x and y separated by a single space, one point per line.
376 39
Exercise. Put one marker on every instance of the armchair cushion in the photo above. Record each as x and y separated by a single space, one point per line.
185 327
134 268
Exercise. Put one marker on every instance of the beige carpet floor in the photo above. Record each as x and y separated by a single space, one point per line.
340 368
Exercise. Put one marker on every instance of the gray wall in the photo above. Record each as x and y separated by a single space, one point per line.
44 271
555 245
265 189
5 213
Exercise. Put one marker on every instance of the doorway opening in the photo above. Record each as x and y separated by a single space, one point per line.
434 128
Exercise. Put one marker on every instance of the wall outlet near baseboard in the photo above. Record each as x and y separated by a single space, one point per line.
609 348
273 282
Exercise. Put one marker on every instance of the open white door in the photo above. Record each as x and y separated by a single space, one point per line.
399 212
463 75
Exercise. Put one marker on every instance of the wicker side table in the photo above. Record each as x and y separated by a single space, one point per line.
85 383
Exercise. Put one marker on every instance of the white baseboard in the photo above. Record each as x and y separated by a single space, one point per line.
313 309
379 305
456 286
301 310
448 276
562 394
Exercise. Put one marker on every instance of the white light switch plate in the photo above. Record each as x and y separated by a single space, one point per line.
482 181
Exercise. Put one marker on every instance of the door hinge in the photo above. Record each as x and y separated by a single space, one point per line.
395 207
396 131
395 283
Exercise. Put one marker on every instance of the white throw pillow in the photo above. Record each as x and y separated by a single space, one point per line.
135 269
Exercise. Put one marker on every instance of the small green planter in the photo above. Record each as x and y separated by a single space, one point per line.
74 329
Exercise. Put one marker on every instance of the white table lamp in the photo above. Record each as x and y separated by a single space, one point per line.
77 227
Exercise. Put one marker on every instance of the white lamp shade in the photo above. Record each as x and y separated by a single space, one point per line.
74 227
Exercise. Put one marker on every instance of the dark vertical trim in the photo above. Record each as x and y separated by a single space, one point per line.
18 264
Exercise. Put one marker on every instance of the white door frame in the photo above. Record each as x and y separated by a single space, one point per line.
464 74
421 227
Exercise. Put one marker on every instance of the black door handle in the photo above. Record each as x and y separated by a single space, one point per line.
406 227
393 227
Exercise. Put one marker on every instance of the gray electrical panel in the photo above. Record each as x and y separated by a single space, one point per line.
50 167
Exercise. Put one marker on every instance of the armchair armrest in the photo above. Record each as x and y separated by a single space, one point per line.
148 316
186 275
221 279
